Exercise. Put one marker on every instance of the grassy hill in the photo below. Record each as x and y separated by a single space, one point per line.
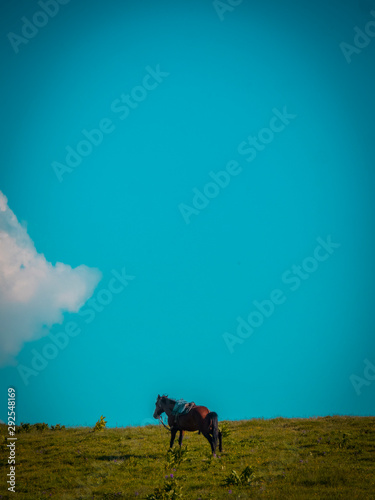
323 458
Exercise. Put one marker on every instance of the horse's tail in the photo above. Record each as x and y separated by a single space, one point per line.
215 427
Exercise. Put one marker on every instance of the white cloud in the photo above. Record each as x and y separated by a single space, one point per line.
33 292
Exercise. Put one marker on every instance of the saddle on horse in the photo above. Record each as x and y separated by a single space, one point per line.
181 407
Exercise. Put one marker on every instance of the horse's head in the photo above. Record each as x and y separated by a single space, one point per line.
159 406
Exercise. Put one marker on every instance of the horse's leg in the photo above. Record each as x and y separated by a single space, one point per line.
220 442
210 440
181 437
173 435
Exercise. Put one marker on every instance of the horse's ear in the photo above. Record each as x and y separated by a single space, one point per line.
158 396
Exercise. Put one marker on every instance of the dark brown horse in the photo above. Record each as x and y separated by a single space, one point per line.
199 419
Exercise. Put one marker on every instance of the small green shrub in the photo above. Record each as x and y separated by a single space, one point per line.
224 429
245 478
57 427
23 428
41 426
100 424
247 475
176 456
233 478
170 490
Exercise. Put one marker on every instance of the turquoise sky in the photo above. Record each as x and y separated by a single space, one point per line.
262 81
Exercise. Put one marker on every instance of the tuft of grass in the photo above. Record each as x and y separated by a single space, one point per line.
298 459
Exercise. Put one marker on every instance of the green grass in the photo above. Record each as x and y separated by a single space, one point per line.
323 458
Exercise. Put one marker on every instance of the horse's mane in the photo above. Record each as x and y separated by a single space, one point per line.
170 399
